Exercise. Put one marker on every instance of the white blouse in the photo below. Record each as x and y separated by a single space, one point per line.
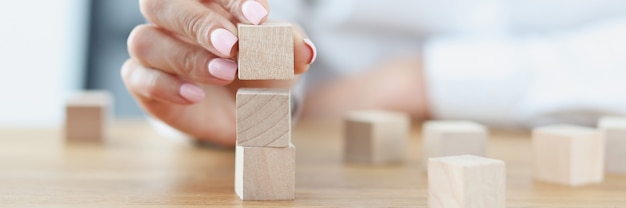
500 62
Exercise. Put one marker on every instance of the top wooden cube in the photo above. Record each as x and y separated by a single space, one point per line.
266 52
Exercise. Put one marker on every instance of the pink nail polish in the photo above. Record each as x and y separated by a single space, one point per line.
313 49
223 41
253 11
191 92
224 69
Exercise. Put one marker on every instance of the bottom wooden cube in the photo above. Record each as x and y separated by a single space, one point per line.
466 181
87 116
568 155
265 173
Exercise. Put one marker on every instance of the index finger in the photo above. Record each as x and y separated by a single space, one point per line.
194 21
247 11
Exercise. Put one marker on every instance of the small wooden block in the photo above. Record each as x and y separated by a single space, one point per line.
265 173
266 51
447 138
376 137
263 117
465 181
568 155
613 130
87 115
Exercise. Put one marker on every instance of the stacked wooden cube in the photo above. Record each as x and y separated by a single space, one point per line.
265 156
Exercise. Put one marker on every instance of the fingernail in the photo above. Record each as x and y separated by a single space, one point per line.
224 69
253 11
313 49
191 92
223 41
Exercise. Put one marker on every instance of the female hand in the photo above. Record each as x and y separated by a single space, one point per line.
182 67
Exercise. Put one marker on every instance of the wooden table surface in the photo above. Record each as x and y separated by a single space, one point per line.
139 168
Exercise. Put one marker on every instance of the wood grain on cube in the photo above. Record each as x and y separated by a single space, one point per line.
447 138
613 129
466 181
263 117
568 155
265 173
266 51
87 115
376 137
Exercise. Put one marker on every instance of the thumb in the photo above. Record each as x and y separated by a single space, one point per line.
247 11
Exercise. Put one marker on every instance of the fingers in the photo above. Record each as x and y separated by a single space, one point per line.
151 84
194 21
155 48
247 11
305 51
209 28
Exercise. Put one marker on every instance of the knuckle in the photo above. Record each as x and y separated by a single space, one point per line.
139 40
126 70
187 64
191 62
152 90
150 7
195 65
197 24
232 5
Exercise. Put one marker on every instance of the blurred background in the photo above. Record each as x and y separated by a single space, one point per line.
49 49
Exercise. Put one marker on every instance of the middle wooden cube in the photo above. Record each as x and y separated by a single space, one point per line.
263 117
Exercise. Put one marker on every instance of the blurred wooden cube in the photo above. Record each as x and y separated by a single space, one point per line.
376 137
447 138
568 155
613 129
466 181
87 115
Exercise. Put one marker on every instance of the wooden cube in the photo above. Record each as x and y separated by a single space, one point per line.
613 129
263 117
568 155
87 115
266 51
447 138
465 181
376 137
265 173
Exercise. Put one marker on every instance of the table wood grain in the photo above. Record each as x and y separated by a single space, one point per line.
137 167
